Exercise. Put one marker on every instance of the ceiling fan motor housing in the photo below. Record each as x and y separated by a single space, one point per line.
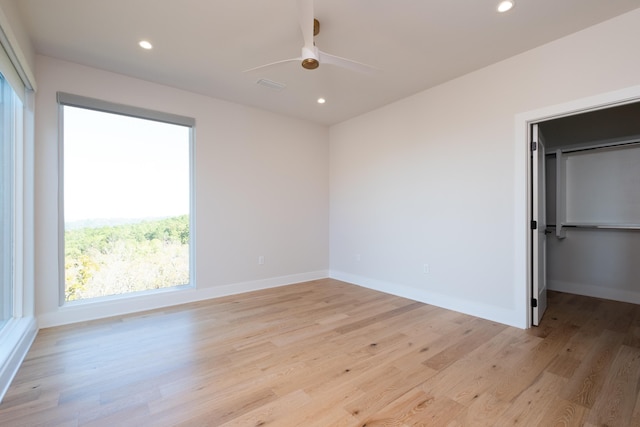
310 60
310 63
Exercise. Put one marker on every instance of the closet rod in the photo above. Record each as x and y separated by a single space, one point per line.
599 226
603 146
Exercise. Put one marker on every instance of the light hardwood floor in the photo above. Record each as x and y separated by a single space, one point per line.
326 353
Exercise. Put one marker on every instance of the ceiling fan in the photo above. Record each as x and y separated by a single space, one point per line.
311 57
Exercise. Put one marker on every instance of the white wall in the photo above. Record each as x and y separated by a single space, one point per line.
261 189
598 263
17 34
439 178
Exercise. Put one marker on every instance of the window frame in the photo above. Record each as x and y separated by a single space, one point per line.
70 100
17 334
9 144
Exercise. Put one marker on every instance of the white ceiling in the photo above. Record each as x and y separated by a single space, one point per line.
204 45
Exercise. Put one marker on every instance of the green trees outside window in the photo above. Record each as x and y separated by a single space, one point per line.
126 204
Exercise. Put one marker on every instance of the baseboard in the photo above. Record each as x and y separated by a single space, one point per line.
594 291
472 308
17 337
75 313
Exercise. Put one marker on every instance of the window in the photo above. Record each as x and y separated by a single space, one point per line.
9 103
17 322
126 198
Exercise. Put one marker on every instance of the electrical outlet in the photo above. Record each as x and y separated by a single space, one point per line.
425 269
358 257
261 259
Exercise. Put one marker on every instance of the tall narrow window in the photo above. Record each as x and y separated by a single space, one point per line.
8 102
126 199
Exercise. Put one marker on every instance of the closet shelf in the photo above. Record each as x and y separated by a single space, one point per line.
598 226
590 177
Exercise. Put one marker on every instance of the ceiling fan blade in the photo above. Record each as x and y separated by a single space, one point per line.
326 58
273 63
305 17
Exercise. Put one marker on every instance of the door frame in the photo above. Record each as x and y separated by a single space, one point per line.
523 206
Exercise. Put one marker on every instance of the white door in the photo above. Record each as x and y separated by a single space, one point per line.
538 227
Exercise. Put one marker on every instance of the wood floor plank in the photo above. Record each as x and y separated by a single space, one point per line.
635 417
478 372
417 408
529 407
320 412
519 372
378 318
563 413
479 332
327 353
632 337
615 404
380 393
585 385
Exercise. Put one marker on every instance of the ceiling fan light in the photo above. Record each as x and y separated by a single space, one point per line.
310 63
505 6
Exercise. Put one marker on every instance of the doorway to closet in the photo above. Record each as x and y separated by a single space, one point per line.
585 178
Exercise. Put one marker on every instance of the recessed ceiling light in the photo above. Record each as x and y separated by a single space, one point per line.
505 6
321 100
145 45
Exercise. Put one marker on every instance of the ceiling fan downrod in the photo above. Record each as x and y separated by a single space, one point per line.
312 63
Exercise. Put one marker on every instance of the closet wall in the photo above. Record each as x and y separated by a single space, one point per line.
600 187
